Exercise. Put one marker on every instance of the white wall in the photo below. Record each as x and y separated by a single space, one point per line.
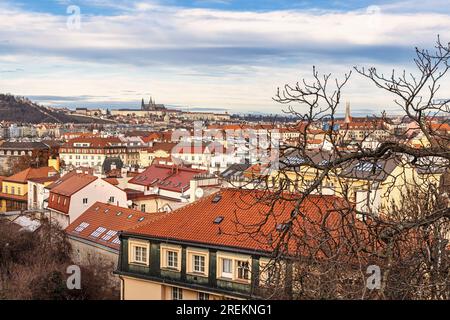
99 190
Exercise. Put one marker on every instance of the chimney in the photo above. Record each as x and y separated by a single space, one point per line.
193 184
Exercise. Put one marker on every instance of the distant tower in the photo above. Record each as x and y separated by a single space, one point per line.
348 117
142 104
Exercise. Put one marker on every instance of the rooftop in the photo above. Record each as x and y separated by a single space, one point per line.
102 222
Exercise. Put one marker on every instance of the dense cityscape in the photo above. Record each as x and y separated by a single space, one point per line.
312 196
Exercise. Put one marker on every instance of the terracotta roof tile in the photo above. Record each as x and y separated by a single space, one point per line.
112 219
241 214
32 173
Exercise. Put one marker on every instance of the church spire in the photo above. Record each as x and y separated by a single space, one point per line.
348 117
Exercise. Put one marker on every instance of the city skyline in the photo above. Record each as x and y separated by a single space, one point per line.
196 54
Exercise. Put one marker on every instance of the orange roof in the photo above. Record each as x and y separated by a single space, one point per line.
241 214
31 173
112 219
94 142
112 181
67 186
165 146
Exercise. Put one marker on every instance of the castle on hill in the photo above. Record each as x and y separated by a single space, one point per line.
152 106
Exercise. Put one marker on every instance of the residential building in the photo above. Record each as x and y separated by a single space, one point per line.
73 193
199 252
92 151
94 235
14 193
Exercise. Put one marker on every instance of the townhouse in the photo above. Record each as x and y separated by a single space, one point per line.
164 187
73 193
203 251
92 151
14 193
159 150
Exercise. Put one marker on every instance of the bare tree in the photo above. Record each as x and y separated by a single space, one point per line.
384 177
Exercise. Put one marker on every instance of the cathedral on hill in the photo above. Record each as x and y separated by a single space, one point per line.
152 106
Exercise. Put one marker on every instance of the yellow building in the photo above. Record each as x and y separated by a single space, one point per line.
372 186
14 193
158 150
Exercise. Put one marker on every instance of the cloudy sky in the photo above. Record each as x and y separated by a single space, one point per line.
216 54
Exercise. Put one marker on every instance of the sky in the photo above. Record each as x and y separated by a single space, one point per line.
208 54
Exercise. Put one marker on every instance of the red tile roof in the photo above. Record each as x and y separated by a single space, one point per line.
165 146
101 215
94 142
166 177
239 208
31 173
67 186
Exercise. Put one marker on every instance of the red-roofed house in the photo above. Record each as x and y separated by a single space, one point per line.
14 193
200 252
92 151
163 187
74 193
94 235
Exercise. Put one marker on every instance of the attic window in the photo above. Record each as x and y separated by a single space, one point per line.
218 219
216 198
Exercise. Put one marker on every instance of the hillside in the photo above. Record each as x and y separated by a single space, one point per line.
22 110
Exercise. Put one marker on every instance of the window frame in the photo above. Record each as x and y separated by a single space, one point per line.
190 254
164 257
132 244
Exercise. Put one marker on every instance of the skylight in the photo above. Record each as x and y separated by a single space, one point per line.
141 219
109 235
367 166
218 219
119 213
116 240
216 198
130 216
98 232
82 226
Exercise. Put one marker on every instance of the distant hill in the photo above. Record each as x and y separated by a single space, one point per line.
22 110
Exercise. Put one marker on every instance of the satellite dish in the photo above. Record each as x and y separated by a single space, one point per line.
199 193
129 203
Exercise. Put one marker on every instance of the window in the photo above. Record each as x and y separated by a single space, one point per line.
111 199
98 232
172 259
197 261
227 268
170 255
18 190
82 226
140 254
199 264
13 190
203 296
85 200
177 293
243 270
107 236
143 207
233 267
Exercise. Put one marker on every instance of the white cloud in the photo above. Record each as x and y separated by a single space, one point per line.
202 57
